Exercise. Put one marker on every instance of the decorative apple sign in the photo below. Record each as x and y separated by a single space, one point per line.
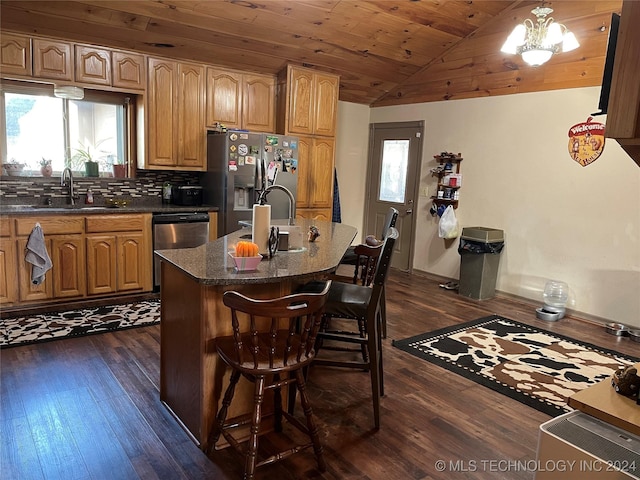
586 141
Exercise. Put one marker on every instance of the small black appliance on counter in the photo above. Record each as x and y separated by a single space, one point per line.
188 195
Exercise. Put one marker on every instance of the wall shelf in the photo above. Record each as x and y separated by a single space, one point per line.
448 164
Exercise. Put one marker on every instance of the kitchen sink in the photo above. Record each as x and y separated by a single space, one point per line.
14 208
297 250
68 207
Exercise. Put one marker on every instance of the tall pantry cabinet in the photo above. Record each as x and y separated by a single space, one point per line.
307 108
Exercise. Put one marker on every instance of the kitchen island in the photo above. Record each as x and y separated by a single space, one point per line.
193 280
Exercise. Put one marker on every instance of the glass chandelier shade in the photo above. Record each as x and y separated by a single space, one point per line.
537 42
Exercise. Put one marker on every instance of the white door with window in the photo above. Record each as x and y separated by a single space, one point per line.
395 150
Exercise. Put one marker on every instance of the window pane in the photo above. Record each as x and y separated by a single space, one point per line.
34 130
96 132
393 180
66 132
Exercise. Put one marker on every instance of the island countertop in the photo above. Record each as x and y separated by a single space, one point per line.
210 264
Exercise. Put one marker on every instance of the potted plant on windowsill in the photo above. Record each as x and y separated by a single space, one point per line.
13 168
119 167
84 154
45 167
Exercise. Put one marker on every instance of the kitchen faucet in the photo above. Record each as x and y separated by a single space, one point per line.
66 174
262 198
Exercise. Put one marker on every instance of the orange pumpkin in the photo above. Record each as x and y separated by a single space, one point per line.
246 249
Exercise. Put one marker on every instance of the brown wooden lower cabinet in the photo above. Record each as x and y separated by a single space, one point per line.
119 255
101 264
68 271
65 244
28 292
132 267
92 256
8 280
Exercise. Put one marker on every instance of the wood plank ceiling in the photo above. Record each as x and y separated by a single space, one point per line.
387 52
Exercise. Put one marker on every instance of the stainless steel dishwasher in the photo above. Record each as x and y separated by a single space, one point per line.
177 230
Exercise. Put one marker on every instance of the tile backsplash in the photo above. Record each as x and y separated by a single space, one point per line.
146 188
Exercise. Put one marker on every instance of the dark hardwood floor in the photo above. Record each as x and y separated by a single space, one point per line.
88 408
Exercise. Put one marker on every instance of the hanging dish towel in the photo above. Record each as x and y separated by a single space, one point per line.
37 255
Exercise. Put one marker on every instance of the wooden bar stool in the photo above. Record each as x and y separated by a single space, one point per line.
271 359
350 258
363 274
362 304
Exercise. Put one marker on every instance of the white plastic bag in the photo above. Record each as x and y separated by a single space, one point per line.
448 226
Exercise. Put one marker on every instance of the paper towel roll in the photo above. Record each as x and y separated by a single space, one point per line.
260 227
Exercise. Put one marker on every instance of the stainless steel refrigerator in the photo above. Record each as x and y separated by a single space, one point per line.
231 182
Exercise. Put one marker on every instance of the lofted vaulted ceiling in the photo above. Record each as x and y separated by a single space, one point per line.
387 52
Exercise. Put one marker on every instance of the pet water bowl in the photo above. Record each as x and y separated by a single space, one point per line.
543 314
618 329
634 335
555 297
246 264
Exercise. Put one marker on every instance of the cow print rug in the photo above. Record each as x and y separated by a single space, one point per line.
536 367
52 326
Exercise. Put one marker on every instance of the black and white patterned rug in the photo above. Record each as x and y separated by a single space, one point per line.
52 326
534 366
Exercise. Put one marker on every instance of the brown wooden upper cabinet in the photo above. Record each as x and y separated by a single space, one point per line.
103 66
37 57
623 116
176 137
311 102
15 54
93 65
52 59
129 70
315 172
240 101
190 98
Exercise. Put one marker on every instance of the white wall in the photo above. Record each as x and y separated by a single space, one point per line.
561 220
352 144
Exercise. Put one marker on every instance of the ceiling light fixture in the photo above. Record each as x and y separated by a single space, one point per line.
69 92
537 42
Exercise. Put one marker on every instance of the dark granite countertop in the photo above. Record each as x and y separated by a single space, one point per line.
210 264
83 209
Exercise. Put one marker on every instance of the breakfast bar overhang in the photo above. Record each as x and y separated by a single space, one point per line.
193 280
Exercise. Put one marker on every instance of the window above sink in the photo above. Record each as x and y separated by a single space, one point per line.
45 134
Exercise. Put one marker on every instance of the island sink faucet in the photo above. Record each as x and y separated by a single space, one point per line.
66 180
262 198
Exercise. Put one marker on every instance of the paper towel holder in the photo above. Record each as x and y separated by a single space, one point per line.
262 198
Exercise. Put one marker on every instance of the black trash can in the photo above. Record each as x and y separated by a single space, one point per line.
479 251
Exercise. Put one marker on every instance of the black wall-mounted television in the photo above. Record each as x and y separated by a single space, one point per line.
603 104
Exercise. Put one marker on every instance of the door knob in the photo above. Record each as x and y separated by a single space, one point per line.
409 211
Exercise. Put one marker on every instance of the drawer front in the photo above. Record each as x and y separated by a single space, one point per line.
50 225
115 223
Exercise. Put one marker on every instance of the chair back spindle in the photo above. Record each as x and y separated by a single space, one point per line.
365 265
280 345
